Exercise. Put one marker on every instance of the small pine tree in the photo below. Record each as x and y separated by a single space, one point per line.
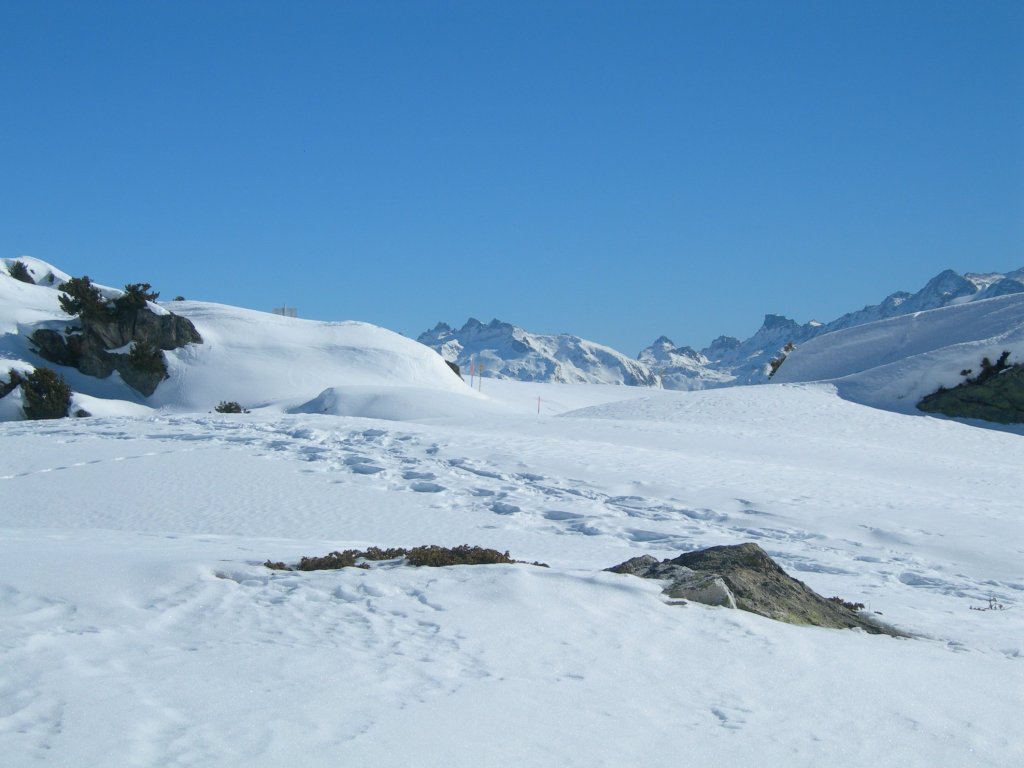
148 358
135 296
45 395
19 271
80 297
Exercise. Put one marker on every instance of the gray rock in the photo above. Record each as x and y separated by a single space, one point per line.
87 346
744 576
998 399
707 589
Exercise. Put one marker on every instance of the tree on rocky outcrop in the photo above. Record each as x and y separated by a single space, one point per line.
990 369
135 296
45 395
19 271
108 325
80 297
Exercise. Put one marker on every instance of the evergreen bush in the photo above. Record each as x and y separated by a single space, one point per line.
45 395
147 358
80 297
19 271
229 406
135 297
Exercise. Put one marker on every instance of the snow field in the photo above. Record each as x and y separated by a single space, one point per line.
141 629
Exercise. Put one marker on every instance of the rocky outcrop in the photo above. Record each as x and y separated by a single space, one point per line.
123 338
999 398
744 576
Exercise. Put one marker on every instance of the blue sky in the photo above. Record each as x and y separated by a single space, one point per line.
617 170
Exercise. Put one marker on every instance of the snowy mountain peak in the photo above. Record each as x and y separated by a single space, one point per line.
506 351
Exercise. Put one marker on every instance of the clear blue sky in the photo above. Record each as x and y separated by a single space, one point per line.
617 170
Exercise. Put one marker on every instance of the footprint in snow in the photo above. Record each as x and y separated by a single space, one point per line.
427 487
501 508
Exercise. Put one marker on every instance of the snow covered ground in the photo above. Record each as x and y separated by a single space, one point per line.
140 628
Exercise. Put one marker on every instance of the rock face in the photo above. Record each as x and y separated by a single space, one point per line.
745 577
999 399
90 345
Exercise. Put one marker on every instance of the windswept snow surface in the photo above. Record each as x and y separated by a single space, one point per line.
140 628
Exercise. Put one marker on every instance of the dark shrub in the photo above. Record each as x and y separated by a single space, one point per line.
431 556
229 406
135 297
147 358
849 606
45 395
19 271
436 557
80 297
990 369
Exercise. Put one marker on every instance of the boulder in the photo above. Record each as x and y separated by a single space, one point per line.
88 346
683 583
744 576
999 399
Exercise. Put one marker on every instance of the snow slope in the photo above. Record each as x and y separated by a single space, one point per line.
893 363
254 358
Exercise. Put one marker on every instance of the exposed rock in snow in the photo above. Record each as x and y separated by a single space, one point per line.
744 576
101 342
999 398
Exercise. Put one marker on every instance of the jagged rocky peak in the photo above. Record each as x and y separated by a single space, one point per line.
506 351
946 286
774 322
1003 287
663 351
720 347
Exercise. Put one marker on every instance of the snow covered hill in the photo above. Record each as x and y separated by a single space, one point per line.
893 363
505 351
254 358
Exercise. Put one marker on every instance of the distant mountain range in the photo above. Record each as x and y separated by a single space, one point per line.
507 351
